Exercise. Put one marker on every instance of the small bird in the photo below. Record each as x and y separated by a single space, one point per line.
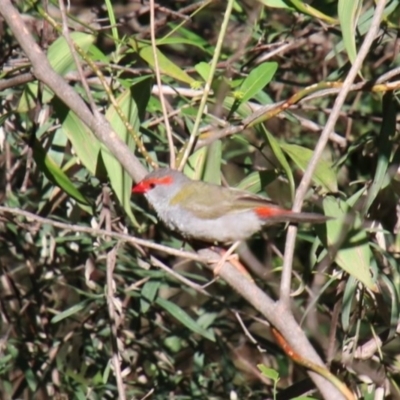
212 213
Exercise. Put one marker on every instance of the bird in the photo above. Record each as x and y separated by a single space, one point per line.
212 213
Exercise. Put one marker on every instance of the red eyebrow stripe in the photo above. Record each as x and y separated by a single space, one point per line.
268 212
146 184
166 180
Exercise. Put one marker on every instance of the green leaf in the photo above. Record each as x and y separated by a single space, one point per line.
212 166
195 165
257 181
179 40
364 25
55 174
324 173
276 149
349 295
306 9
30 378
268 372
61 59
258 78
141 92
203 69
354 253
59 54
166 66
184 318
393 304
274 3
85 144
69 312
349 12
120 180
149 292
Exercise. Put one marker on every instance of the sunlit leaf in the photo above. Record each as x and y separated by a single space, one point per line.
85 144
324 173
120 180
354 254
349 12
167 67
257 79
276 149
69 312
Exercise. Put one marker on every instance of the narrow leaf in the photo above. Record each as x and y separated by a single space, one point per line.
349 12
354 253
258 78
69 312
85 144
120 180
276 149
167 67
149 292
55 174
59 53
184 318
324 174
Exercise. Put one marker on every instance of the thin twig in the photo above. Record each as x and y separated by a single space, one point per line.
111 302
102 232
207 88
159 84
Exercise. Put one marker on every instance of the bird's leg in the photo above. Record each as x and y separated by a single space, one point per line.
227 256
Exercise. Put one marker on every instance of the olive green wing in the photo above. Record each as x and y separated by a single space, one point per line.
209 201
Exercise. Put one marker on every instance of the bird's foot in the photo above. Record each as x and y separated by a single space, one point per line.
227 256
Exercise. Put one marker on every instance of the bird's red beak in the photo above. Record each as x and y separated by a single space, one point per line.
141 187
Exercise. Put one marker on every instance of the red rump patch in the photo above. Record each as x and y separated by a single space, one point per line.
268 212
148 184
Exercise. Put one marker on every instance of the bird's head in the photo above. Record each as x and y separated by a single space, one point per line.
160 185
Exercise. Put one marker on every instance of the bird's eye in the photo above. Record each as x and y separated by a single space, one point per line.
152 185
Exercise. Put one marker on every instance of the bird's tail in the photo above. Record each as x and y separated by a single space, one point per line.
277 215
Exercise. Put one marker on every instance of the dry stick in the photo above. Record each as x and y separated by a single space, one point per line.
103 232
113 303
111 260
284 298
282 319
347 393
159 84
122 238
16 81
155 261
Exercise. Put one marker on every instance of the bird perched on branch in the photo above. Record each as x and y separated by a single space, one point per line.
212 213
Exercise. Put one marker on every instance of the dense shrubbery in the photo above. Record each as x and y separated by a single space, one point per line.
83 306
